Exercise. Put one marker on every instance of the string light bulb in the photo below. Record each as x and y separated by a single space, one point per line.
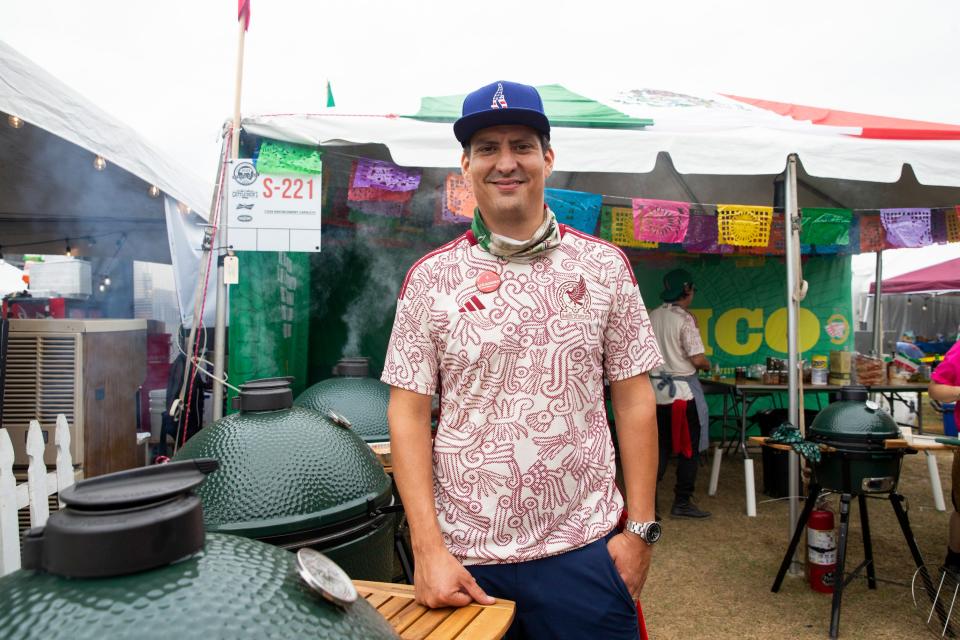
14 121
99 163
69 250
908 301
102 287
153 191
106 280
924 306
183 209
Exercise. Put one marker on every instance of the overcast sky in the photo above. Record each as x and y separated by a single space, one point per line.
167 68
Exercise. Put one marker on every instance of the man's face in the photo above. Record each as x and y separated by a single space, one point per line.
507 169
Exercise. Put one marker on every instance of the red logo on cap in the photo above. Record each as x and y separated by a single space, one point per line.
488 281
499 102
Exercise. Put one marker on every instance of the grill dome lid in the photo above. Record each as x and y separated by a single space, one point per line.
853 418
360 399
284 470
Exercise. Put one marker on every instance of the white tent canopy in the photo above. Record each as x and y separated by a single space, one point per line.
706 136
50 190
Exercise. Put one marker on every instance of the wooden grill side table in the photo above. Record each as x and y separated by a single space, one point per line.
413 621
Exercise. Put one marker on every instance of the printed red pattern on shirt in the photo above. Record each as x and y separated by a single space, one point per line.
523 460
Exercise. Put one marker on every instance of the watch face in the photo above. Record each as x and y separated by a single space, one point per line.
653 532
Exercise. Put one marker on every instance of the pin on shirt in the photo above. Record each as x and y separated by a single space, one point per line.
488 281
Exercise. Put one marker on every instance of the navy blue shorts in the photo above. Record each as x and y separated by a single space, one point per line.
575 595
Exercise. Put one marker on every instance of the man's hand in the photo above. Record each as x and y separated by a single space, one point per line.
440 581
631 556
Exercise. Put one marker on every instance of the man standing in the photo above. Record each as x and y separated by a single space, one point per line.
681 405
518 321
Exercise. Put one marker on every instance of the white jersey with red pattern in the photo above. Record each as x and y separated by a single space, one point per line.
523 462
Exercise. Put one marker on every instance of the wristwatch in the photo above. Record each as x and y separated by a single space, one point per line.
649 532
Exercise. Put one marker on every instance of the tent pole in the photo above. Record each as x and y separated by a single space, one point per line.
220 337
791 227
877 313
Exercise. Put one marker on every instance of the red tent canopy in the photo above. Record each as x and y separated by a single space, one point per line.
872 126
939 277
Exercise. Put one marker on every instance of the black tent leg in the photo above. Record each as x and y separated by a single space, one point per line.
841 561
813 492
867 544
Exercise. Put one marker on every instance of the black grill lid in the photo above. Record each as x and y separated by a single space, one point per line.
122 523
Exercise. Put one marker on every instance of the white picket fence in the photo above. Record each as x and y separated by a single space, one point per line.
35 492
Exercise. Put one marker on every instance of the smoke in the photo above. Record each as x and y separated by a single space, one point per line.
377 295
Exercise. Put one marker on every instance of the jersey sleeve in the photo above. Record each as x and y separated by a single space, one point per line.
629 346
690 339
412 359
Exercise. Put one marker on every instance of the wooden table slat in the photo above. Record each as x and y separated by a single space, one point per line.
425 625
393 606
407 616
454 624
376 599
491 619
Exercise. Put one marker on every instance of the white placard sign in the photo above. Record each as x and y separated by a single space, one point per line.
272 213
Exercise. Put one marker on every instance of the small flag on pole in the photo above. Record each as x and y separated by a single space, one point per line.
330 102
243 13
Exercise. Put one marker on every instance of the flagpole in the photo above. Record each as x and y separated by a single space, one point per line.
220 338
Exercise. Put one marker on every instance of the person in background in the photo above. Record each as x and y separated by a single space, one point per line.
682 420
520 319
945 387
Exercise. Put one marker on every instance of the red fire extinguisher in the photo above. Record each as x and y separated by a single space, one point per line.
821 550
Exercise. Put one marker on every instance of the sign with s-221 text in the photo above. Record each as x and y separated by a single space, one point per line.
272 213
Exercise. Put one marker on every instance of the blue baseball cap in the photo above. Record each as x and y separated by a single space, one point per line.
498 103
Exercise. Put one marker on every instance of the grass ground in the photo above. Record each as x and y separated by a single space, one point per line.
711 579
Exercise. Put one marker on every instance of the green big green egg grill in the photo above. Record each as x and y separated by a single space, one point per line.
295 478
128 558
352 393
857 429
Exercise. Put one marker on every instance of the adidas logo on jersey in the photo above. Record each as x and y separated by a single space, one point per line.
473 304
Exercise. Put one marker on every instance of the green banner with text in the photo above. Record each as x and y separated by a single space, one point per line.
741 304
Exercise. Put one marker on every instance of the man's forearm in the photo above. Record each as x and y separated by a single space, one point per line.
411 452
634 410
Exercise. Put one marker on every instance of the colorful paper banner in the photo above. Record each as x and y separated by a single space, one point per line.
938 225
873 237
744 225
702 235
458 200
375 174
776 245
825 226
360 194
953 224
660 220
617 226
577 209
907 227
280 158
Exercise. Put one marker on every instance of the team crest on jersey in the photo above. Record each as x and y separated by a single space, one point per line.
498 102
574 300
